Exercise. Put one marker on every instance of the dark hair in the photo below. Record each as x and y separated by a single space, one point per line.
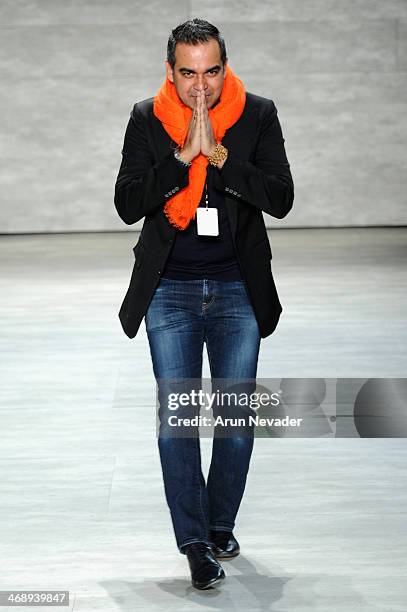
192 32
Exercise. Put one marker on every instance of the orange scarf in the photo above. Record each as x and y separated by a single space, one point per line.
175 117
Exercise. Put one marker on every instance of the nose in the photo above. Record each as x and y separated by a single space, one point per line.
200 83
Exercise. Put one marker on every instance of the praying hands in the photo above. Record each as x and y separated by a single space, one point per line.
200 137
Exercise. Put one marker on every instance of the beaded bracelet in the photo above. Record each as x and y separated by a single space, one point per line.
219 154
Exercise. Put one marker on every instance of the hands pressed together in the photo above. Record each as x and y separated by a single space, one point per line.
200 137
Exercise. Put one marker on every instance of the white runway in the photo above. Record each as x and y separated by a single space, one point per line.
323 522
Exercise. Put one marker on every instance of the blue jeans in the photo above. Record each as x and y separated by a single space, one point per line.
182 315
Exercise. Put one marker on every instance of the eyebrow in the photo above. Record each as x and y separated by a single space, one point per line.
209 69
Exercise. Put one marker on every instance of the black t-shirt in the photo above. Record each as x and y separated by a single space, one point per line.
198 257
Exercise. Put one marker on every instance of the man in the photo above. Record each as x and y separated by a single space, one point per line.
201 160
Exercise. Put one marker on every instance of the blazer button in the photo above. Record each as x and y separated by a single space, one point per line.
159 271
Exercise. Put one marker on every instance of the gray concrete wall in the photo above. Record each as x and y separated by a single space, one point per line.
71 72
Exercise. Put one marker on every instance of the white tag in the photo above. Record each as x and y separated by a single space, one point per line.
207 221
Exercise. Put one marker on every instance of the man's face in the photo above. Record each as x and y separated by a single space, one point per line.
197 68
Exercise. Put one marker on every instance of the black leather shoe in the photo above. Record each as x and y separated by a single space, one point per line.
225 544
205 570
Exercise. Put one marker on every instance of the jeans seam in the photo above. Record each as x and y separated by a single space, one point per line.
209 353
197 454
198 469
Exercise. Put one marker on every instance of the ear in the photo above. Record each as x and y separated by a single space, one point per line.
224 67
169 71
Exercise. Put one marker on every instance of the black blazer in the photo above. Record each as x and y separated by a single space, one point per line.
255 177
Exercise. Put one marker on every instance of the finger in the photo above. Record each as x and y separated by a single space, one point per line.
205 113
204 107
194 119
198 108
205 116
190 125
199 117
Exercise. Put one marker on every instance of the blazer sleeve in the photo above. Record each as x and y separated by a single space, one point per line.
266 183
142 185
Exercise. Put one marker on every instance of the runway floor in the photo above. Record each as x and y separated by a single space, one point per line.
323 523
